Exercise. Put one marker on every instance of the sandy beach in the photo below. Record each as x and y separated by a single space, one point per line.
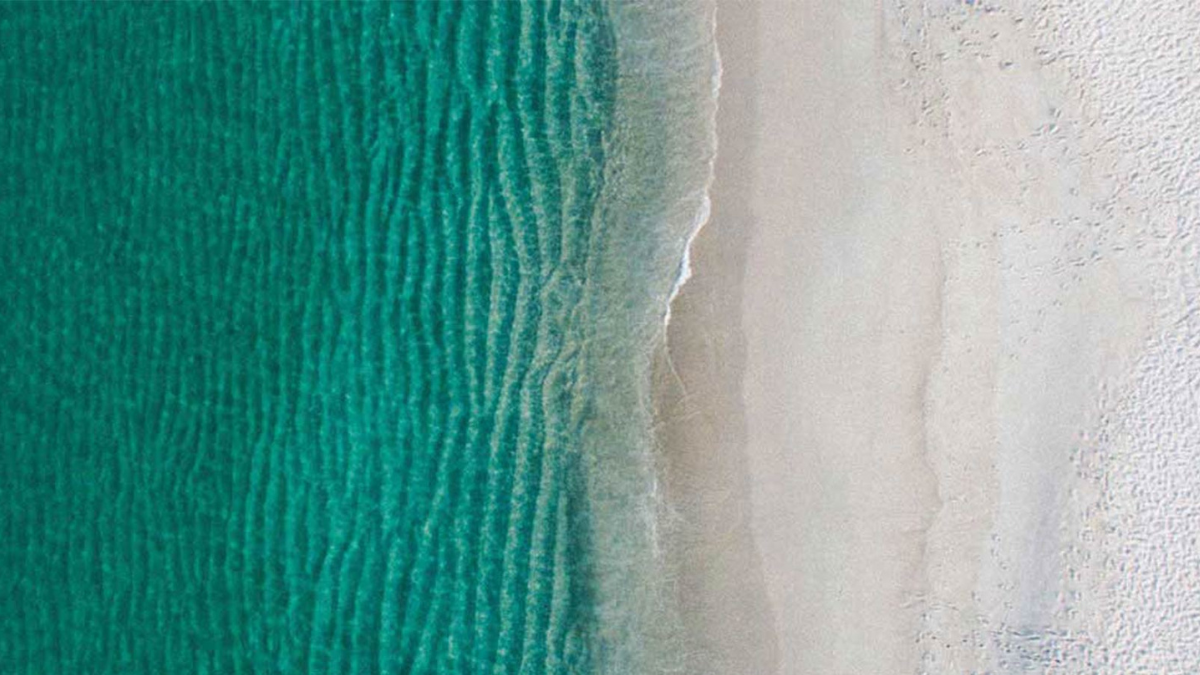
895 412
838 310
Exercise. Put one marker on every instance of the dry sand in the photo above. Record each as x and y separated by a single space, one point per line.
900 382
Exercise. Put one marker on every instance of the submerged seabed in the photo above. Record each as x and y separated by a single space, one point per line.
327 332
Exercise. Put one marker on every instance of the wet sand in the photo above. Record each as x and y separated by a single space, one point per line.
718 576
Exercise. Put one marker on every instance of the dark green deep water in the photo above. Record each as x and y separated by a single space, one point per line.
295 312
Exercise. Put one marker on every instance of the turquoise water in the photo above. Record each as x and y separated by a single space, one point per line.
326 331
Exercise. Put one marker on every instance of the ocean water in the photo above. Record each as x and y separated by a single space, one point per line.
326 332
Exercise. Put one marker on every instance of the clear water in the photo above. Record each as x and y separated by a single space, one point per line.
326 332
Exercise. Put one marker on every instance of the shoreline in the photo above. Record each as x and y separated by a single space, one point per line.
712 559
783 560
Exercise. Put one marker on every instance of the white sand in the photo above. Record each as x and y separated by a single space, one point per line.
969 345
